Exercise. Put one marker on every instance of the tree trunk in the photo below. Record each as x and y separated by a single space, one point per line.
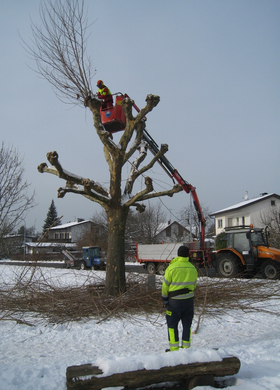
115 268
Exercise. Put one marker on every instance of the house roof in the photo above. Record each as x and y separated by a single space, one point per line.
49 244
245 203
69 224
162 226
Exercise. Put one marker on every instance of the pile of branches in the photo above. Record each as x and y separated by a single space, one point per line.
60 304
42 299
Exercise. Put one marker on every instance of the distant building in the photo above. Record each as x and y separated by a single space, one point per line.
245 213
172 232
71 231
13 244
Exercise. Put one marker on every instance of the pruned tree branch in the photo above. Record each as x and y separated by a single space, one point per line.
140 194
136 123
91 189
174 190
135 173
131 178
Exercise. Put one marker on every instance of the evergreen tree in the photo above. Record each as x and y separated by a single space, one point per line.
51 218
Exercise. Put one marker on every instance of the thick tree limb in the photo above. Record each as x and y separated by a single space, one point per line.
105 137
131 179
174 190
146 194
91 189
134 173
140 194
61 192
132 123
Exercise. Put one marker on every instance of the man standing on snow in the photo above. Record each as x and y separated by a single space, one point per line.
178 287
104 94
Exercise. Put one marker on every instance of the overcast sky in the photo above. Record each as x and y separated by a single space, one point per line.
215 66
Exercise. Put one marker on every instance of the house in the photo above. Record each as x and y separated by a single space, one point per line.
71 231
171 232
250 211
13 244
62 237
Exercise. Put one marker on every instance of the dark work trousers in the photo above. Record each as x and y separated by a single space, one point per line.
179 309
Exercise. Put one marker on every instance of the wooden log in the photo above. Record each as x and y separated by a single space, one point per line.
142 378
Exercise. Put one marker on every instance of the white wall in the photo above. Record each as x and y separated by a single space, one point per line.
246 215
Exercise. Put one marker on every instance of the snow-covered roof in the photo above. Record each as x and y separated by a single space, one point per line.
69 224
49 244
245 203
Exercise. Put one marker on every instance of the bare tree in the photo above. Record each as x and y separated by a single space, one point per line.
14 198
271 218
190 218
143 227
60 53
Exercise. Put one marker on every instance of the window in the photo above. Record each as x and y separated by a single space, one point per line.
243 221
272 202
241 242
230 222
220 223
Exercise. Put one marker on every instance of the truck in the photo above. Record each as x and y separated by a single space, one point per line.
247 250
91 259
155 258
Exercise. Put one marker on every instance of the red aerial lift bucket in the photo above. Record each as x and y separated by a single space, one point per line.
113 118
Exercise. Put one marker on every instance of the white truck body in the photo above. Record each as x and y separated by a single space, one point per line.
157 252
156 257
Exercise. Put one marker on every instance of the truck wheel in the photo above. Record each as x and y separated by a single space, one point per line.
151 268
161 269
83 265
270 269
227 266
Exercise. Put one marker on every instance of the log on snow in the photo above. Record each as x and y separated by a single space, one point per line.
141 378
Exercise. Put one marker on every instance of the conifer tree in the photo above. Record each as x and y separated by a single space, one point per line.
52 216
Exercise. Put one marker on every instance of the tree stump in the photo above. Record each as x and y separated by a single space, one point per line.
87 377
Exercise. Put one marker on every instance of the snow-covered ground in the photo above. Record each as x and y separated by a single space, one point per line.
36 357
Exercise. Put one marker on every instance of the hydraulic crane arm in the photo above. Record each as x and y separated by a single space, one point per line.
114 122
187 187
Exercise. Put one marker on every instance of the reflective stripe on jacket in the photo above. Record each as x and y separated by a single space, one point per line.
180 274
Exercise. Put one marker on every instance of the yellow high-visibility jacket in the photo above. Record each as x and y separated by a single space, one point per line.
103 92
179 275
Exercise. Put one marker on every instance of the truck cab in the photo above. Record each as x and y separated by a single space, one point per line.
92 258
247 249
